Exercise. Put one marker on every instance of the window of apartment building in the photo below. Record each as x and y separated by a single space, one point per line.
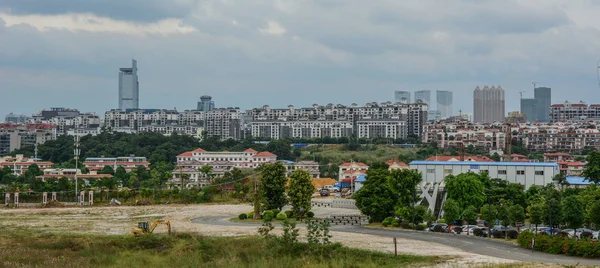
431 170
501 172
539 172
520 172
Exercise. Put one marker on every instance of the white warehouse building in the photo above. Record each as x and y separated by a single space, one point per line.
434 173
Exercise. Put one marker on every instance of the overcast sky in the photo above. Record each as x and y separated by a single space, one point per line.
66 53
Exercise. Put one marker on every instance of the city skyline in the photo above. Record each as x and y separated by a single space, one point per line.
274 57
129 87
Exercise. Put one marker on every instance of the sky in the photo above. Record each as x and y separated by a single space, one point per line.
66 53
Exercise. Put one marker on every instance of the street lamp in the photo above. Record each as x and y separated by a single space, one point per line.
76 153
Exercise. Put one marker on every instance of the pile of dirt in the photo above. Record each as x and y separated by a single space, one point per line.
54 204
142 203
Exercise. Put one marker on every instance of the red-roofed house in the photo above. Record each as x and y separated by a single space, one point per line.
352 170
20 164
396 164
468 158
557 157
129 163
221 162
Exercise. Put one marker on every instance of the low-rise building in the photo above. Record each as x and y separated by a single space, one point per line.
69 173
20 164
557 157
453 158
311 166
190 163
129 163
484 136
352 170
396 164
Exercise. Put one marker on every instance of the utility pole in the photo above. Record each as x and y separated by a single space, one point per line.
35 152
76 165
352 171
413 209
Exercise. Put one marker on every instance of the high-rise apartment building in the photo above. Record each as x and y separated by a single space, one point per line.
424 96
206 104
529 108
400 96
444 103
14 137
129 87
16 118
488 104
543 95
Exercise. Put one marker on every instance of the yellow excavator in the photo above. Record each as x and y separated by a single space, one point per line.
144 228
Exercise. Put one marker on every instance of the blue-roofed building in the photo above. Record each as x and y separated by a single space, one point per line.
525 173
359 182
578 182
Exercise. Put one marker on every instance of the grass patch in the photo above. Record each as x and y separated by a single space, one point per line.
22 249
369 153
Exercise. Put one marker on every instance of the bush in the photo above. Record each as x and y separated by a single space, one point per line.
281 216
498 234
421 227
387 221
395 223
441 221
289 214
243 216
513 234
251 215
268 216
405 225
555 244
275 211
310 214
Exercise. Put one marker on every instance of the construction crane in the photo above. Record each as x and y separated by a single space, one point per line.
521 92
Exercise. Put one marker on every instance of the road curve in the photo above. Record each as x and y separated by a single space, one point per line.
482 246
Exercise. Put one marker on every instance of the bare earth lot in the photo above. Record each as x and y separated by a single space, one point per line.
119 220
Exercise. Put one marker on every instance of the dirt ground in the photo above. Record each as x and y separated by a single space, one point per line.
119 220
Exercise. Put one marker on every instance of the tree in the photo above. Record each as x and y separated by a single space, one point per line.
560 179
536 214
376 199
300 191
451 211
466 189
469 215
503 214
403 184
121 174
495 157
592 168
107 170
34 170
572 212
272 184
207 171
516 213
594 214
85 170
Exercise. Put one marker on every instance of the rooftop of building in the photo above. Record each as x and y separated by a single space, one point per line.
454 158
465 163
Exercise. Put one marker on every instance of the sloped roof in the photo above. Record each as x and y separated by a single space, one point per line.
250 150
347 164
264 154
199 150
397 162
185 154
443 158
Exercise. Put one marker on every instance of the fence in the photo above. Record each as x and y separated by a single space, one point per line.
346 219
35 199
335 203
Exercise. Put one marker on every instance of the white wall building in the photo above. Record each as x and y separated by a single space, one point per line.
393 129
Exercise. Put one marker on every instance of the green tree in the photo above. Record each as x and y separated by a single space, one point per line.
207 171
503 213
107 170
536 214
495 157
376 199
85 170
272 184
592 168
469 215
403 183
560 179
121 175
466 189
451 211
35 170
594 214
300 191
516 213
572 212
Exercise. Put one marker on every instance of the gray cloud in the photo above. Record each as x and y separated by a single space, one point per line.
333 51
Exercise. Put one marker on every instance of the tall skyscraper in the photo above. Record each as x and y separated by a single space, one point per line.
206 104
529 109
423 95
444 103
543 95
400 95
129 87
488 104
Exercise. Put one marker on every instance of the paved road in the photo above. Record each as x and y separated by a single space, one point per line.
483 246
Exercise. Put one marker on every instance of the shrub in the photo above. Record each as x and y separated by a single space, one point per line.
289 213
243 216
395 223
498 234
251 215
405 225
387 221
421 227
310 214
512 234
438 229
275 211
268 216
281 216
441 221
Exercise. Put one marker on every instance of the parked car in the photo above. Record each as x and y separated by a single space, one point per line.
596 235
324 192
330 188
432 227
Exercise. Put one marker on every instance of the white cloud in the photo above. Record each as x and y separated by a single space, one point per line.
95 24
273 28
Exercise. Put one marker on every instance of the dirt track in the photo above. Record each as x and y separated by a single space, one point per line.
120 220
